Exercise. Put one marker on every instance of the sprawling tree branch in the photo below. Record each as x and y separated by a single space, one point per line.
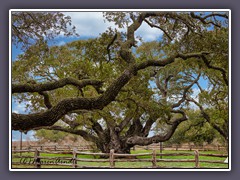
49 117
40 87
46 98
185 93
224 73
125 122
204 19
143 141
130 42
109 45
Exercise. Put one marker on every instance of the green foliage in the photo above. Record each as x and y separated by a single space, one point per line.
50 135
196 130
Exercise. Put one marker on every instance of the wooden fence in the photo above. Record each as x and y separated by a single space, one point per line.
150 147
184 147
111 158
53 147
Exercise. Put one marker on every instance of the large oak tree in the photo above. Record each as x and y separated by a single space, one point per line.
112 90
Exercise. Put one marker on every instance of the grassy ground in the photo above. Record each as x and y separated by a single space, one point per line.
132 164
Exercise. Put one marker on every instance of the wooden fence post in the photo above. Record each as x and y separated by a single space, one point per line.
196 158
37 160
74 160
161 149
111 158
154 160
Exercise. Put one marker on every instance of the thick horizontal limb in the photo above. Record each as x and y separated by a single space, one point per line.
40 87
50 116
143 141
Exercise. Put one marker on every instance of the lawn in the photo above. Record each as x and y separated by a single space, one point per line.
127 164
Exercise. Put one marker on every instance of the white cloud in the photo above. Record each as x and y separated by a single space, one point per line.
195 94
19 107
148 33
91 24
15 111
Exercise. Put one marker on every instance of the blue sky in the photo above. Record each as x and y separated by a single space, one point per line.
88 25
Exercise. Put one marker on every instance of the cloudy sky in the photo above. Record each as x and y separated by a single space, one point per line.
90 24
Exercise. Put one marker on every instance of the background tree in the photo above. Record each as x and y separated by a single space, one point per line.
111 92
31 27
53 136
196 130
47 137
213 101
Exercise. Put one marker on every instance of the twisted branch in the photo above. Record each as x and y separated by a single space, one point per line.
40 87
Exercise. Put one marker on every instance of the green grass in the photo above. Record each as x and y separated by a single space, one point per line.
134 164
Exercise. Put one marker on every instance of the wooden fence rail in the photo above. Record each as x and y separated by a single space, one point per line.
39 160
52 147
150 147
184 147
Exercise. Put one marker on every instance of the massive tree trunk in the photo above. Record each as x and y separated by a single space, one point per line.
112 140
119 147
